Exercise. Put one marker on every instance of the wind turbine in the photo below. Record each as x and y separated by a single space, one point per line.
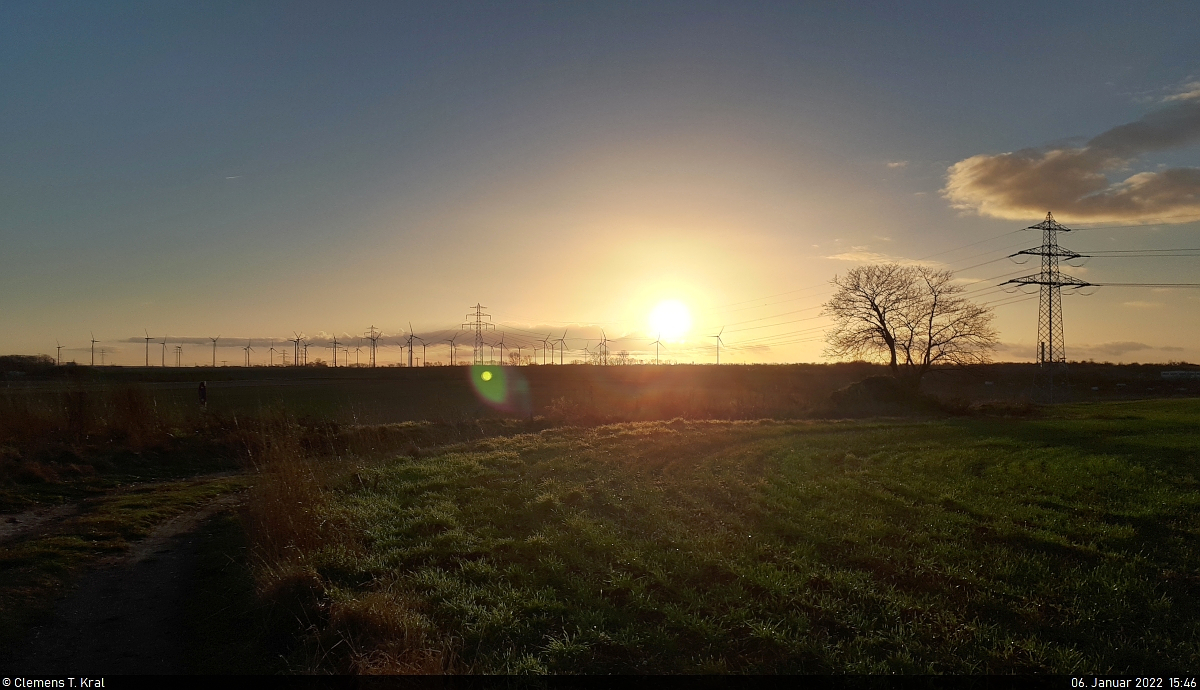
304 345
411 337
546 344
452 348
604 348
719 343
518 355
357 352
215 350
178 354
562 344
164 352
501 345
335 344
59 361
148 339
657 343
248 350
296 342
272 351
94 341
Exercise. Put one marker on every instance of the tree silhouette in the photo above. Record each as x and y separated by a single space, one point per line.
913 317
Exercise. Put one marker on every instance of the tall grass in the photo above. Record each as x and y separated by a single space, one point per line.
47 436
292 518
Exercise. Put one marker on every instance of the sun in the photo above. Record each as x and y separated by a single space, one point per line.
670 320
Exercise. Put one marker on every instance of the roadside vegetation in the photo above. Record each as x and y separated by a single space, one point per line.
1066 544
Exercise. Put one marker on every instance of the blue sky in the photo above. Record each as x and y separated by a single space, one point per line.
252 170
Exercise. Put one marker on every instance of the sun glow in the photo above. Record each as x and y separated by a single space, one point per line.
670 320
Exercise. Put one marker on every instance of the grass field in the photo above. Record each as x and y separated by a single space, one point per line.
1064 544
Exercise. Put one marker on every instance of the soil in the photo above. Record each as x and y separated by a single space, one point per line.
31 521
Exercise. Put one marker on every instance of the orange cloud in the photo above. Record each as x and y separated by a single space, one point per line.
1073 182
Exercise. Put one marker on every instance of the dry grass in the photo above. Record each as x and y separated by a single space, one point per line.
291 522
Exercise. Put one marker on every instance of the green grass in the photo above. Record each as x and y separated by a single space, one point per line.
1066 544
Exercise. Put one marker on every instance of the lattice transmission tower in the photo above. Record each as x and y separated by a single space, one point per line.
479 325
1050 281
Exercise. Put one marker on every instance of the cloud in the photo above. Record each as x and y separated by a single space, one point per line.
1117 349
896 164
1186 92
1137 304
1072 180
863 254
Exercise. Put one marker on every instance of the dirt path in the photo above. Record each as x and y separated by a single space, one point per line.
127 616
29 522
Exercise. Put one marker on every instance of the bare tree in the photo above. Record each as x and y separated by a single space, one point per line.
912 316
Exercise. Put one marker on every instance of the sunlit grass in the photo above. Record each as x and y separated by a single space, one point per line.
1059 545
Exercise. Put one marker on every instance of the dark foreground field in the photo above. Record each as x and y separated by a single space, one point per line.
576 394
1062 541
1061 545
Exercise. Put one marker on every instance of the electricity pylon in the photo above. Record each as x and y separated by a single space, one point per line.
479 325
1050 281
373 335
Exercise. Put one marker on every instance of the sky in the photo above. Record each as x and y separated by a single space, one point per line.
257 170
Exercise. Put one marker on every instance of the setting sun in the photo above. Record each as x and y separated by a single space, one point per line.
670 320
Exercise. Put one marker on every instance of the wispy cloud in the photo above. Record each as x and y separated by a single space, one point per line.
1072 182
1137 304
863 254
896 164
1186 92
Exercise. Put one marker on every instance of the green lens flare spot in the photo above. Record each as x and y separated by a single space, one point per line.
490 384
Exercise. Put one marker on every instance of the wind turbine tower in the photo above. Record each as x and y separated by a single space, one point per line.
719 343
148 339
59 360
93 349
562 344
295 341
657 343
214 341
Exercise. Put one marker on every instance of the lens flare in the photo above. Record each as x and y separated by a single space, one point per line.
501 388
